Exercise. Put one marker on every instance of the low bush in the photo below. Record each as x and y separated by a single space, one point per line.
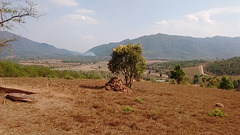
128 109
217 112
139 100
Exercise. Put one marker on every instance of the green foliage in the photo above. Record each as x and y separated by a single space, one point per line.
128 109
196 79
217 112
139 100
10 69
68 77
213 82
236 84
153 80
226 83
173 81
171 64
128 60
225 67
177 74
204 79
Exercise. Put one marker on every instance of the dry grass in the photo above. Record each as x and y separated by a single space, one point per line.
191 71
83 107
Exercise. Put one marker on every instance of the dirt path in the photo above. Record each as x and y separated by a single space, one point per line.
202 71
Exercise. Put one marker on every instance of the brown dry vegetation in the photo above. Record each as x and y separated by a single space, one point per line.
191 71
83 107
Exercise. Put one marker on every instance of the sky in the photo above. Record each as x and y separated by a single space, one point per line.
79 25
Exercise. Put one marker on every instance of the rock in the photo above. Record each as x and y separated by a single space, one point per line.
20 97
219 105
116 84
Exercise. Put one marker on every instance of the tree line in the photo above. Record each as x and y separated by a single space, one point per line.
10 69
178 76
170 64
225 67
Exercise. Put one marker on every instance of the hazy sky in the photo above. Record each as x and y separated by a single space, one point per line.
79 25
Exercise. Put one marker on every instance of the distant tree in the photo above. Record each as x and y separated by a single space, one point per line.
213 82
236 84
160 73
204 80
178 74
128 60
12 13
226 83
196 79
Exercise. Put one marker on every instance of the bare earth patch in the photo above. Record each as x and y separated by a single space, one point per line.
66 107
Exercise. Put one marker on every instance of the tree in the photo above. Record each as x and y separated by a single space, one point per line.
128 60
13 13
213 82
236 84
196 79
226 83
177 73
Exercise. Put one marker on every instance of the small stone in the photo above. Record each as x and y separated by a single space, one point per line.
20 97
219 105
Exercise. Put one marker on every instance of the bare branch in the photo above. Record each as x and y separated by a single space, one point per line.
5 42
10 14
13 13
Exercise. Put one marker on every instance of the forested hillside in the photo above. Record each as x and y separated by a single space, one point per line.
225 67
162 46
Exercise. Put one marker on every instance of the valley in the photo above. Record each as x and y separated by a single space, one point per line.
119 67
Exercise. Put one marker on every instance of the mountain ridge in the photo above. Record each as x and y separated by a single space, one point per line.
163 46
26 48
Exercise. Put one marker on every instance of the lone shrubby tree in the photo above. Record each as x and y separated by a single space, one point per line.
128 60
177 74
226 83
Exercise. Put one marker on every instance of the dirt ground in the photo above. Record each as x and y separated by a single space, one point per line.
82 107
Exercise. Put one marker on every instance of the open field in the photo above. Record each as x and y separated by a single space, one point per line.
99 66
58 64
67 107
191 71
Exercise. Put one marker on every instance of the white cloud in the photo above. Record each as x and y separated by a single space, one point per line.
87 37
85 11
78 19
163 22
204 23
69 3
81 16
205 16
82 19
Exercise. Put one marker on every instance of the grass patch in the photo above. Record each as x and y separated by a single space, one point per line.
128 109
217 112
139 100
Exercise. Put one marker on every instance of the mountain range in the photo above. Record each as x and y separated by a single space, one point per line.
26 48
158 46
162 46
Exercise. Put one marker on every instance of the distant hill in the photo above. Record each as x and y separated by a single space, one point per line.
225 67
162 46
25 48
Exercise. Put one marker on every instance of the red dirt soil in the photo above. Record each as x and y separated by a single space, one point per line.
67 107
